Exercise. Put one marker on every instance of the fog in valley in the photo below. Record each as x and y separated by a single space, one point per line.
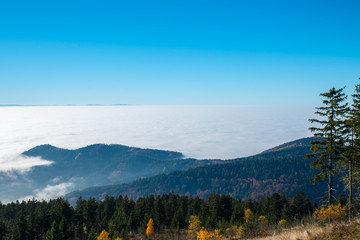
202 132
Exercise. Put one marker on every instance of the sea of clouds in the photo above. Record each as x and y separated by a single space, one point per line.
203 132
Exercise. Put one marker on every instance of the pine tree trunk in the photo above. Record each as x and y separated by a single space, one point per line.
178 231
330 181
350 188
330 166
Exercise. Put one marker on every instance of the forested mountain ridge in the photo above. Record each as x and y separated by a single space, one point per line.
98 164
105 151
300 144
106 164
281 169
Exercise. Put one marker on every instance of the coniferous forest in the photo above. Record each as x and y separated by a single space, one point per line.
126 218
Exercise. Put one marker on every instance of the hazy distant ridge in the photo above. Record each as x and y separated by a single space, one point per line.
102 164
280 169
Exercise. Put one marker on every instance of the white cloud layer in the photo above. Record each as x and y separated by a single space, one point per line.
197 131
203 132
52 191
20 163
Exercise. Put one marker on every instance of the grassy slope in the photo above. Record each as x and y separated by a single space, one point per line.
316 232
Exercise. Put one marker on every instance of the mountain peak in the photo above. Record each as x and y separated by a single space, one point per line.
303 142
40 148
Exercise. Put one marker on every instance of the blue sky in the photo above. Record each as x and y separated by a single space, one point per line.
176 52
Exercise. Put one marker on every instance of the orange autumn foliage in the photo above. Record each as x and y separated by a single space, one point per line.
332 213
103 235
194 227
150 228
248 215
206 235
282 223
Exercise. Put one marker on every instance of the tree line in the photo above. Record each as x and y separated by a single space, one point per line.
123 217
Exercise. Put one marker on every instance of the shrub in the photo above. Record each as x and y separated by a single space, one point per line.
330 214
262 220
103 235
235 231
206 235
283 223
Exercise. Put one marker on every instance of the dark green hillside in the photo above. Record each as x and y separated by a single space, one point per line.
297 148
281 169
300 144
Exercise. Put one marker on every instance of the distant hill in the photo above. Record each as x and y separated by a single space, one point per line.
297 147
280 169
102 164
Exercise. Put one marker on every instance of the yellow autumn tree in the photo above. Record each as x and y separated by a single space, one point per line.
194 227
150 228
249 215
104 235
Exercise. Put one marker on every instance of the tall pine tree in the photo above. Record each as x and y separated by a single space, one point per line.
330 134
